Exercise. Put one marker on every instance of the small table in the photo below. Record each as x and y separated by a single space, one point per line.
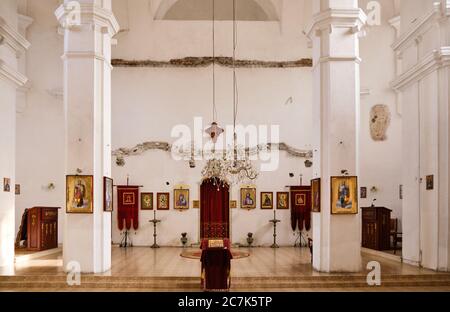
274 221
155 222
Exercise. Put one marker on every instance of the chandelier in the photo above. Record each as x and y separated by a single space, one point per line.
232 166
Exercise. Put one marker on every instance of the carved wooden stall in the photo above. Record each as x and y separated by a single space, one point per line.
42 228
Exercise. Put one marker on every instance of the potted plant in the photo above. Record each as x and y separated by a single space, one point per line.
250 239
184 239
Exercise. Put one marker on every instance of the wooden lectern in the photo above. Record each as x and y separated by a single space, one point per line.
42 228
216 264
376 228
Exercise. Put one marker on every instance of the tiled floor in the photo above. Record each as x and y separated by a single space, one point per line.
264 262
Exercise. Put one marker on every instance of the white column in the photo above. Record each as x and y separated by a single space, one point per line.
334 32
12 46
87 100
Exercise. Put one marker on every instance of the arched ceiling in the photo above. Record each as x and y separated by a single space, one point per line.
197 10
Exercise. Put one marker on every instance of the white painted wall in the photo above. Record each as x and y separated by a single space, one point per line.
380 162
425 129
8 11
40 122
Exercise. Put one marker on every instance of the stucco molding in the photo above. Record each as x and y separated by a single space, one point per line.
431 62
421 26
90 14
13 38
354 19
12 75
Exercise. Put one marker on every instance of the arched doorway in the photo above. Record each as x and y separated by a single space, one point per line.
214 209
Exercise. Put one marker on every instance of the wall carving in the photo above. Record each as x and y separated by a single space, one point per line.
140 149
380 120
189 62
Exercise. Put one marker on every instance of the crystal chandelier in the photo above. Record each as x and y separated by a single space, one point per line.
233 166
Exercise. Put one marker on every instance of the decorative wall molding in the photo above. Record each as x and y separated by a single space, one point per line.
190 62
430 63
12 75
140 149
90 13
421 26
24 22
13 38
354 19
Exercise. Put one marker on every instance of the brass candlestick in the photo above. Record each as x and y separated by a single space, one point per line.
155 222
275 221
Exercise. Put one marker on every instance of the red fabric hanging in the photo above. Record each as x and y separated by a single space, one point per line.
214 210
301 205
128 207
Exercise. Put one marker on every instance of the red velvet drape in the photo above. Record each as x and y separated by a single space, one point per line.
214 210
128 207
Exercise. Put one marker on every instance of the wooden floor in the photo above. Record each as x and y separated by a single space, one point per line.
167 262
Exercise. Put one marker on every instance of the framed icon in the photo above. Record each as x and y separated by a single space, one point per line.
430 182
196 204
315 195
363 192
283 200
108 203
248 198
344 195
181 199
146 201
233 204
162 201
6 185
266 200
79 194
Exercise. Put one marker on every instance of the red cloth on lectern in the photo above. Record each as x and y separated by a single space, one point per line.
301 205
216 266
214 210
128 207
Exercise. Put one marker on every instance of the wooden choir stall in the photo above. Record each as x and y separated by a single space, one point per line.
42 228
216 264
376 226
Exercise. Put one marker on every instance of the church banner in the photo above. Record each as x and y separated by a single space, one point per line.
301 207
128 207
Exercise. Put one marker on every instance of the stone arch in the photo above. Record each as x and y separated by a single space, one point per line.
266 6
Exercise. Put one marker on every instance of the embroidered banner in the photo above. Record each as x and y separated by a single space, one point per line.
128 207
301 207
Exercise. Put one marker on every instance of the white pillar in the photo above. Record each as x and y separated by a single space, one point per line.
87 101
334 32
12 46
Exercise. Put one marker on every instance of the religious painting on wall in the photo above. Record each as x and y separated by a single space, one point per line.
181 199
266 200
162 201
17 189
315 195
363 192
233 204
6 184
344 195
79 194
248 198
146 201
430 182
108 194
283 200
196 204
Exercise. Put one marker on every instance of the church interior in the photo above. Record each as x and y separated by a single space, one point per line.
224 145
